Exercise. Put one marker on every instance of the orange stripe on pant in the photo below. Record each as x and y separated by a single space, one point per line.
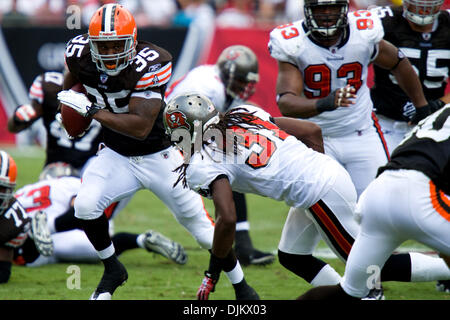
332 228
440 201
381 135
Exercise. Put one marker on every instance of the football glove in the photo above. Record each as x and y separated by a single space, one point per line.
436 105
24 114
79 102
421 113
208 285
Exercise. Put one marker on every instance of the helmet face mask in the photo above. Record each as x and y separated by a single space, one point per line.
112 38
192 113
238 68
8 175
422 12
326 19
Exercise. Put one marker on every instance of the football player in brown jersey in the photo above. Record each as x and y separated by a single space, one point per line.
125 80
15 224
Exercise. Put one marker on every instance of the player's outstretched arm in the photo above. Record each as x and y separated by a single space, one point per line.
306 131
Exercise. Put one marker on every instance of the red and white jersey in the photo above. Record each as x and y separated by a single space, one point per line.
327 69
269 163
52 196
204 79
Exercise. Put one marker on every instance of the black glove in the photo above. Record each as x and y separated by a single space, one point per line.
421 113
436 105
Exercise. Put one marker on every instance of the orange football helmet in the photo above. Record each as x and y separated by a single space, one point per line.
8 175
112 22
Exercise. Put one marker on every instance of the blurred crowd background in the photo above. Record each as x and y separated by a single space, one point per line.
170 13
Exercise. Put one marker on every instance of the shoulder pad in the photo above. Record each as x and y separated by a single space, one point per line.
285 41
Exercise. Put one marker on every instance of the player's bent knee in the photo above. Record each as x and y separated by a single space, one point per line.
86 208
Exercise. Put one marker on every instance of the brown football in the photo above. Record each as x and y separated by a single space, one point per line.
74 122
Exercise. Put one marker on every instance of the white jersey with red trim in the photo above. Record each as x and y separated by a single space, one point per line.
52 196
204 79
270 163
327 69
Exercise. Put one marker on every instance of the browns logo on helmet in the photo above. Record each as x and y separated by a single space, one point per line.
112 38
8 175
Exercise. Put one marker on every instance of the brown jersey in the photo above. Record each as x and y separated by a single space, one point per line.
149 71
14 225
75 151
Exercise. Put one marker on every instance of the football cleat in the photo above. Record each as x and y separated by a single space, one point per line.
40 233
246 293
254 257
375 294
109 283
156 242
443 286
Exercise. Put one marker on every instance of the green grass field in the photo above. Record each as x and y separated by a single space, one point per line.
152 277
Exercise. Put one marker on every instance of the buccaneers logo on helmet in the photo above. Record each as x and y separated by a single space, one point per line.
177 120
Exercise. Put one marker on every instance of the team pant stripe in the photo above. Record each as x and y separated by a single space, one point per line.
377 126
341 239
440 201
110 210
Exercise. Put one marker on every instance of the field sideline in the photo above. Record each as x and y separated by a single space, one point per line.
152 277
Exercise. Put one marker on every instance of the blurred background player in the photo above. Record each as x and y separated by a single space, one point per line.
228 83
75 151
54 194
421 31
126 80
323 63
16 226
415 188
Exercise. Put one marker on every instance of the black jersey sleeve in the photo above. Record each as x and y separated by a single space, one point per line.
14 225
153 65
426 149
77 50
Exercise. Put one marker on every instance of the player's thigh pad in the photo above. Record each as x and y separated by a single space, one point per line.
333 215
107 179
157 174
299 235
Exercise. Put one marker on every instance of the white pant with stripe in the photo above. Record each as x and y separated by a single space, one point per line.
399 205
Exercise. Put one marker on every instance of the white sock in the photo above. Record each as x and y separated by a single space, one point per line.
236 275
106 253
243 225
427 268
326 276
140 240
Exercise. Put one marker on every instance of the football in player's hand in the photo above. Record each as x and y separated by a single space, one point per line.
74 123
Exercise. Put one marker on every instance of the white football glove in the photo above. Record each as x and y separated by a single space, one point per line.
77 101
58 118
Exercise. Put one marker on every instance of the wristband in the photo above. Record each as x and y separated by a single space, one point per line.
93 109
327 103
